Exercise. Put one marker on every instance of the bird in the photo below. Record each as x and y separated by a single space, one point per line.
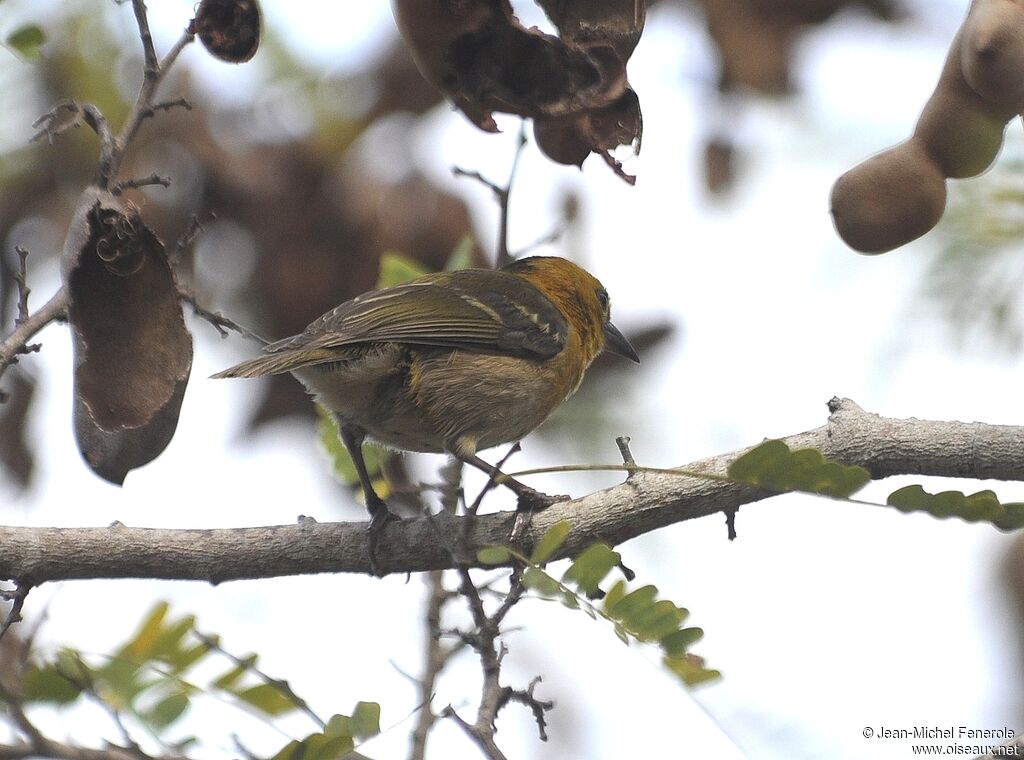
457 362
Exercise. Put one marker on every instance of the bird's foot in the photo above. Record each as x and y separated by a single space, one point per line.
380 516
531 502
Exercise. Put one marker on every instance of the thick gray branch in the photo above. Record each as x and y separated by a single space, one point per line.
644 503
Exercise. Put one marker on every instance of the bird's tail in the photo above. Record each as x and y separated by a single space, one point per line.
277 364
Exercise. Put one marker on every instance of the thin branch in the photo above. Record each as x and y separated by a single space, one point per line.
21 278
17 342
48 125
537 706
151 66
109 150
154 72
649 501
16 597
436 655
492 478
485 743
220 323
152 179
503 195
195 227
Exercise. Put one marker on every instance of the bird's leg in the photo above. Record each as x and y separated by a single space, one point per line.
380 515
530 499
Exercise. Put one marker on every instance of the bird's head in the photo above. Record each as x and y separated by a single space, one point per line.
581 298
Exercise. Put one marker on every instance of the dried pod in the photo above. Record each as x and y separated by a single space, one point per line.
133 354
890 199
961 130
228 29
479 55
569 140
992 52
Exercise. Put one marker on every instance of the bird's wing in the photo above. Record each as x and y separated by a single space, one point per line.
472 310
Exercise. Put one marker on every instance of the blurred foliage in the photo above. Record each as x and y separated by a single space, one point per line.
636 615
150 682
26 41
974 283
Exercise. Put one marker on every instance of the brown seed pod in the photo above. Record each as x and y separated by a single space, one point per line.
888 200
992 52
228 29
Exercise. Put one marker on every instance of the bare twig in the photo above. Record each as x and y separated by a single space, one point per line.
436 654
492 479
195 226
537 706
18 341
154 72
21 278
109 149
16 597
485 743
152 179
485 641
220 323
48 125
503 195
436 657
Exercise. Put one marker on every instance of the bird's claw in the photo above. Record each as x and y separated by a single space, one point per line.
379 519
529 503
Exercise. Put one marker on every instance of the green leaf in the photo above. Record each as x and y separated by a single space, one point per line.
462 255
775 466
266 698
493 555
366 720
632 603
167 646
139 647
333 744
45 684
167 710
233 676
536 579
339 725
658 620
983 506
676 643
26 41
550 542
183 659
691 670
591 567
396 269
615 594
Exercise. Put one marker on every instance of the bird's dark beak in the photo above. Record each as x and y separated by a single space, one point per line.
616 342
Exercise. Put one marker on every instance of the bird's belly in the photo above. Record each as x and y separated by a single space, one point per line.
370 391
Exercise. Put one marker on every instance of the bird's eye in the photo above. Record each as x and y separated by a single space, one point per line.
602 298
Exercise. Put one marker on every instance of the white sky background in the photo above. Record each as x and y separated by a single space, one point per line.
824 617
